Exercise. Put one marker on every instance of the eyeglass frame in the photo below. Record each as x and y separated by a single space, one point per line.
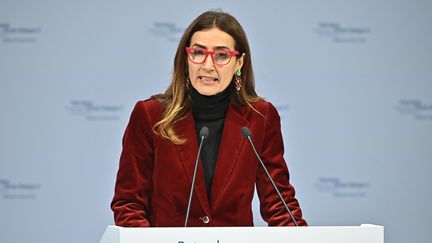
211 53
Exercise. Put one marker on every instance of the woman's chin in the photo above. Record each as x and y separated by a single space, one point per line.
207 91
206 88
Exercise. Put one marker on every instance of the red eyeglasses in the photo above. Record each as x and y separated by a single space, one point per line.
220 57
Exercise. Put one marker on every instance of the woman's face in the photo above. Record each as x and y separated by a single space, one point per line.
210 78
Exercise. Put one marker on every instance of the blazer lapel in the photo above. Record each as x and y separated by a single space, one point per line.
232 141
188 151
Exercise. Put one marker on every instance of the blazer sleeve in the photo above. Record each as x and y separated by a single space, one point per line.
272 150
133 185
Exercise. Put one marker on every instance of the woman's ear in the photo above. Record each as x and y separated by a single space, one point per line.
239 62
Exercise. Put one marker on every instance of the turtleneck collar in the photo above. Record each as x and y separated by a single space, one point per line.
209 108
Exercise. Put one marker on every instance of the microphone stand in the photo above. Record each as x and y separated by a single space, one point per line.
203 134
247 134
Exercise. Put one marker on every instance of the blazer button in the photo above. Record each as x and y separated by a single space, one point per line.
205 219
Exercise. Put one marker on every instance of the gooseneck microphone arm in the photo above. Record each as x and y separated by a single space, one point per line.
203 134
247 134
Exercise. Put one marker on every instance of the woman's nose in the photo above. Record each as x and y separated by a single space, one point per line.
209 63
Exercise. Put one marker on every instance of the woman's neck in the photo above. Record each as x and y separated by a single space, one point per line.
208 108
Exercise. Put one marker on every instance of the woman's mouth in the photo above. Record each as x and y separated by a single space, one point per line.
207 78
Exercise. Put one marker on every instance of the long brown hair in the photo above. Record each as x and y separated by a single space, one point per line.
176 101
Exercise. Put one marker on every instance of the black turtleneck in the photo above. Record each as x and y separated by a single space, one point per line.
209 111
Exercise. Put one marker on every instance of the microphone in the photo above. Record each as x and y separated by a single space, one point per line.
247 134
204 132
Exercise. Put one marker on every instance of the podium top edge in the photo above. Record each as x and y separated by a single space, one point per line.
330 226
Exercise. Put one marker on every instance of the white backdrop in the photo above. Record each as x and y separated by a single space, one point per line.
352 81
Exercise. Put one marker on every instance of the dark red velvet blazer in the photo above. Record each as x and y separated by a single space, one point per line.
154 176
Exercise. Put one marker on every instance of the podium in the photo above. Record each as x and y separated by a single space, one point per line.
366 233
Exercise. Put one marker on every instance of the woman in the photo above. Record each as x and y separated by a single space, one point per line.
212 86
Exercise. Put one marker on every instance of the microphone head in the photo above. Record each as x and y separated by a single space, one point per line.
246 132
204 132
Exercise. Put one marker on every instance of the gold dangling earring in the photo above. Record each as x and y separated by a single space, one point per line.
237 81
187 84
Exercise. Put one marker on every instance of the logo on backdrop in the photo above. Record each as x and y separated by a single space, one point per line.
415 108
339 33
89 110
167 30
18 34
338 188
18 190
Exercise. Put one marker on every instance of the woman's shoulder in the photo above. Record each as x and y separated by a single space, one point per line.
264 107
148 108
149 104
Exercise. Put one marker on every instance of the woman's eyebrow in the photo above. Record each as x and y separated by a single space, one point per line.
199 46
221 48
215 48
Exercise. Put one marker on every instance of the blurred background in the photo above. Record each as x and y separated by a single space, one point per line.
352 81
